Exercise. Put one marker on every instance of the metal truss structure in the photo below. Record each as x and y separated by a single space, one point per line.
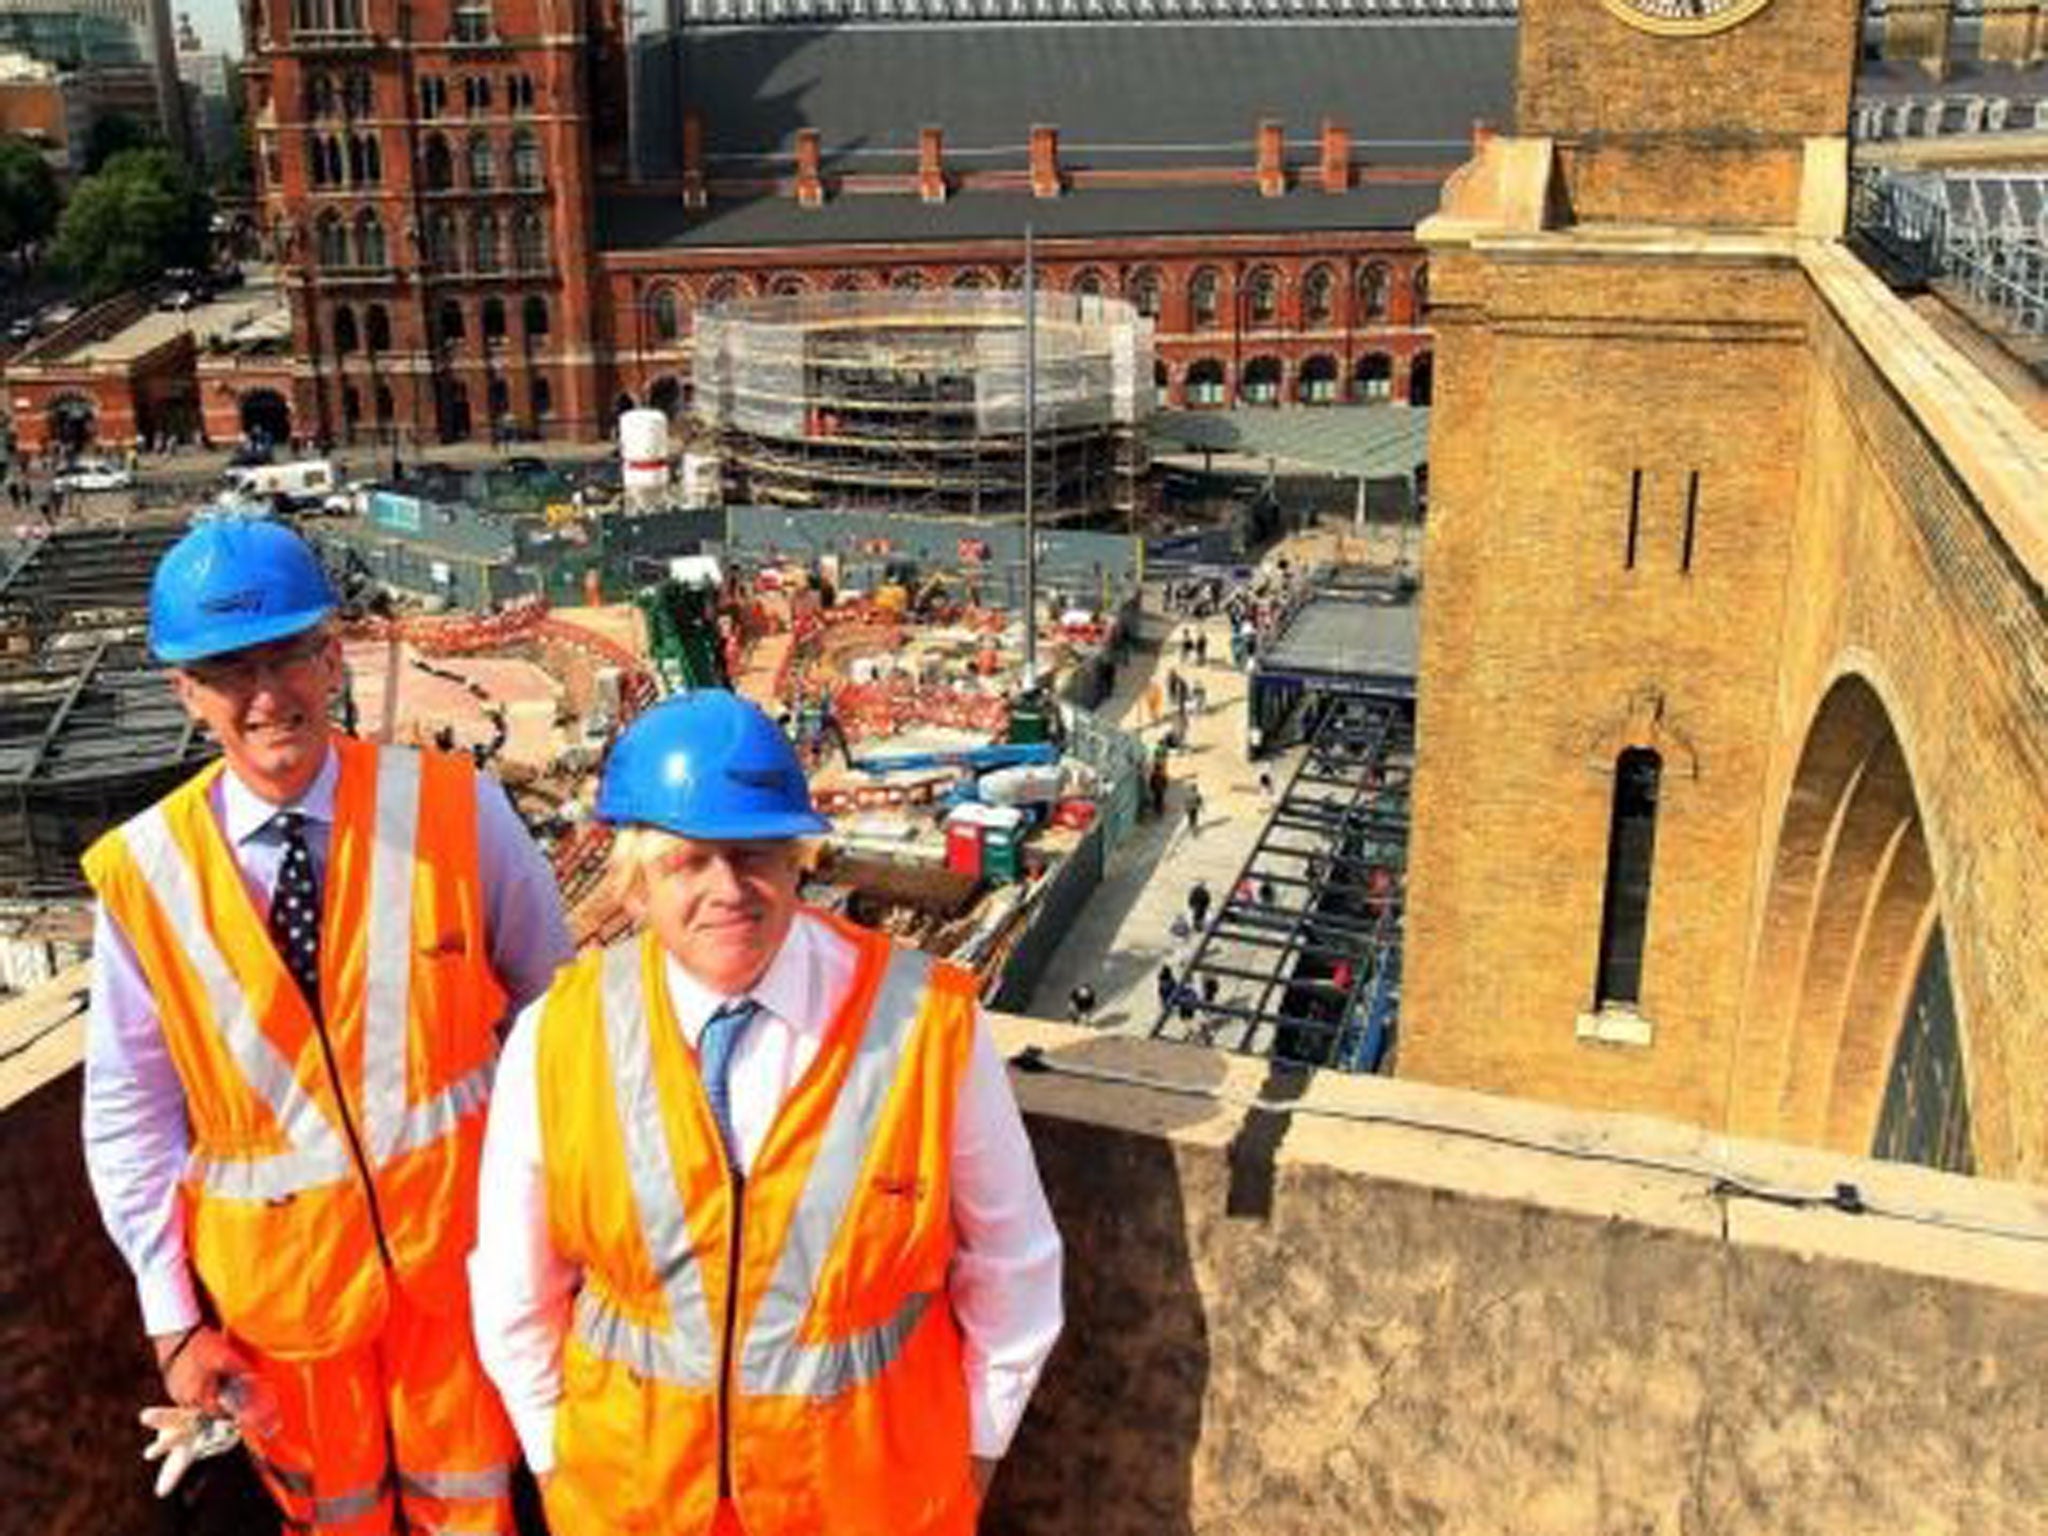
1302 962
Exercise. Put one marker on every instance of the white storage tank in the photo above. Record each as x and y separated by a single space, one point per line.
643 449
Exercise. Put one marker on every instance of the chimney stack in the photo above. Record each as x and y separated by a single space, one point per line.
810 189
1045 161
1272 159
931 165
1336 156
694 194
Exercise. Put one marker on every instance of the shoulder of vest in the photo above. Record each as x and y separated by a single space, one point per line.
98 859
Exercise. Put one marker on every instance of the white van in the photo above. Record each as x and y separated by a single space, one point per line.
306 483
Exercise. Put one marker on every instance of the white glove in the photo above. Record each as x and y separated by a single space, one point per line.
183 1436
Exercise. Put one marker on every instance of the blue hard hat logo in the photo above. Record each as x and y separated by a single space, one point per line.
708 764
769 779
248 600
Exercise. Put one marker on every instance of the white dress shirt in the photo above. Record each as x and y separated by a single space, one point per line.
136 1136
1004 1284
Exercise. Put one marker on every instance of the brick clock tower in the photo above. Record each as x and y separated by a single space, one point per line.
1621 324
426 169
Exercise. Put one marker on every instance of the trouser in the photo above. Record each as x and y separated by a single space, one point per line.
404 1424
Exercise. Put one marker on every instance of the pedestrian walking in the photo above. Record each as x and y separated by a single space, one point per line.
1187 646
1266 790
1198 902
1201 647
1210 987
1176 690
1165 983
1194 809
1154 704
1081 1003
1198 696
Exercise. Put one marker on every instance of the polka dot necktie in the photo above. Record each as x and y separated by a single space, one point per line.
714 1059
295 909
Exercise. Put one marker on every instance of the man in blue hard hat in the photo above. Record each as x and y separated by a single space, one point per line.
762 1246
304 957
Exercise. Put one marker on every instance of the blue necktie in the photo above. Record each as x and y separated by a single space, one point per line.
714 1060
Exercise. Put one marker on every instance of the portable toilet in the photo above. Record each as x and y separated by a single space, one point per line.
963 840
1002 844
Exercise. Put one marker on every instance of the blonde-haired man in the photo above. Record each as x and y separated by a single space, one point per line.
762 1246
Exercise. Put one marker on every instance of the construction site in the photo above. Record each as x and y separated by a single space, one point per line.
930 402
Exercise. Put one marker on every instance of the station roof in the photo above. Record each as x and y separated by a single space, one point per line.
1373 441
1160 97
1365 631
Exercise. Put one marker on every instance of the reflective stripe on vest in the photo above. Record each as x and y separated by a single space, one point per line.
318 1156
387 971
488 1483
684 1352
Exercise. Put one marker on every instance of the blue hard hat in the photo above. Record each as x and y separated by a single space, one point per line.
233 582
708 765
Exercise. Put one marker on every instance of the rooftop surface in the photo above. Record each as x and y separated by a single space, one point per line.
1368 634
1374 441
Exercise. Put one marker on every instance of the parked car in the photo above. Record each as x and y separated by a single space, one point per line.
352 500
88 475
307 483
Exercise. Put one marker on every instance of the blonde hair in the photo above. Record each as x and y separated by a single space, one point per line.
636 851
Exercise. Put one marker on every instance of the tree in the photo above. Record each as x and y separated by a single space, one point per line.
28 194
114 134
142 213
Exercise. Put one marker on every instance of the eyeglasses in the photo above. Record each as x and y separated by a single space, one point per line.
238 670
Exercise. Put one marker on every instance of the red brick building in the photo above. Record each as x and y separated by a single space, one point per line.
490 222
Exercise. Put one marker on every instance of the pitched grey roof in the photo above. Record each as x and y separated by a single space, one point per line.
1155 96
1120 93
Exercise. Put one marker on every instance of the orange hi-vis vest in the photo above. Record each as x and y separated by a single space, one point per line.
328 1162
783 1341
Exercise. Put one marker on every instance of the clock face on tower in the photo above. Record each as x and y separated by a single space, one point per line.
1684 18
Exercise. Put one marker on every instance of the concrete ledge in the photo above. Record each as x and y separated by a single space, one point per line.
1998 453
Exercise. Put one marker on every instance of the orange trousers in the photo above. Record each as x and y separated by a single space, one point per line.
407 1423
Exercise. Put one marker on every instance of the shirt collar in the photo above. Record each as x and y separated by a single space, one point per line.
244 813
784 988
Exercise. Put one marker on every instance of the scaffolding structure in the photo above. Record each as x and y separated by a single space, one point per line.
1302 962
89 732
914 401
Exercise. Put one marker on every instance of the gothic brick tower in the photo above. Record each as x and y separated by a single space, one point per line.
425 171
1622 347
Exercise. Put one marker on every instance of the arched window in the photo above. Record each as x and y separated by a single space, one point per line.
1318 382
1372 292
358 95
1262 298
667 315
483 243
788 285
442 254
494 321
529 241
482 165
433 96
331 240
847 282
386 406
437 172
1261 385
348 16
1205 298
448 322
543 398
1420 287
1373 378
1421 379
519 92
1145 289
723 290
908 281
1205 382
372 157
1631 849
377 329
971 281
526 173
344 331
1318 297
476 93
369 241
351 405
1088 282
319 96
536 317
